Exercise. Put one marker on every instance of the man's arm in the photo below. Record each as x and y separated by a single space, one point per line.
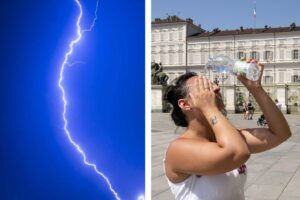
261 139
200 156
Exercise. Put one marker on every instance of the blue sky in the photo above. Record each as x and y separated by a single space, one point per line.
106 100
230 14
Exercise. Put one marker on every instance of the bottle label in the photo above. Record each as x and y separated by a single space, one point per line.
247 70
240 67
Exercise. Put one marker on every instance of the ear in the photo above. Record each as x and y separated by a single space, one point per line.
184 104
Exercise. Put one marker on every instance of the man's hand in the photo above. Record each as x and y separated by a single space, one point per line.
202 95
249 84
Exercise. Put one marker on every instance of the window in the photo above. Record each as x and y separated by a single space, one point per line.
153 49
180 47
157 37
296 79
268 79
180 58
175 35
171 48
281 54
166 36
180 35
164 58
281 42
203 55
268 42
268 55
255 55
162 36
295 54
171 36
227 44
171 59
157 58
216 45
197 58
241 44
281 76
191 58
241 55
214 53
158 49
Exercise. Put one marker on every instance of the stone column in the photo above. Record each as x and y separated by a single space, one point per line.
280 91
156 98
229 93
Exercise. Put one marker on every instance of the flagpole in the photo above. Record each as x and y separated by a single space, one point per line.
254 15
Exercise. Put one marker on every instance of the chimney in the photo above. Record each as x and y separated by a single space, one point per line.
157 20
189 20
293 26
216 30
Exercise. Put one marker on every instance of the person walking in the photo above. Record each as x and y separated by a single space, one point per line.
251 109
245 110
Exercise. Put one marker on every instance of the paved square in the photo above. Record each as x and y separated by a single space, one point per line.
274 174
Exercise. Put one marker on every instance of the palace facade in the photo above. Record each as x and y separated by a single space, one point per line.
180 46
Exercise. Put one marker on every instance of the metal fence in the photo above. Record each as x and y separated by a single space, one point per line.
287 94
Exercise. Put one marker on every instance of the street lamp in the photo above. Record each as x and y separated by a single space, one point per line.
224 76
288 111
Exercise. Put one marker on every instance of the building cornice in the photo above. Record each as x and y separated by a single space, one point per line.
175 20
237 32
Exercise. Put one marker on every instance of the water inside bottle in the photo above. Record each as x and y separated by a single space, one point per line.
225 65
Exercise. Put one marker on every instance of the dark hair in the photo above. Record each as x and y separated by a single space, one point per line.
175 92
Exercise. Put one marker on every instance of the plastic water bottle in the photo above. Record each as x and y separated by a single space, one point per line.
224 64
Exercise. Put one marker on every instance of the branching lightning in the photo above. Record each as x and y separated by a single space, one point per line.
79 33
64 99
74 63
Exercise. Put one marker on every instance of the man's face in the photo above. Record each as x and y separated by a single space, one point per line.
192 87
219 100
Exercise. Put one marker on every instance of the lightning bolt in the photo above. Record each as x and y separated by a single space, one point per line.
75 63
65 64
64 99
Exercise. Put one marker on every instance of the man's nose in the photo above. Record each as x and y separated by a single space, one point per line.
216 88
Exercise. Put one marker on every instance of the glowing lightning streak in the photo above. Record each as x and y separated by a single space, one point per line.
60 81
94 21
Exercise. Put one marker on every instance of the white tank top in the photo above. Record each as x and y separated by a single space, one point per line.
227 186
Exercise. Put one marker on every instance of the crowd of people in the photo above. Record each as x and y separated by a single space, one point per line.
249 109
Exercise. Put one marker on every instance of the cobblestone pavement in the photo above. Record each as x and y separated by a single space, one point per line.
274 174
